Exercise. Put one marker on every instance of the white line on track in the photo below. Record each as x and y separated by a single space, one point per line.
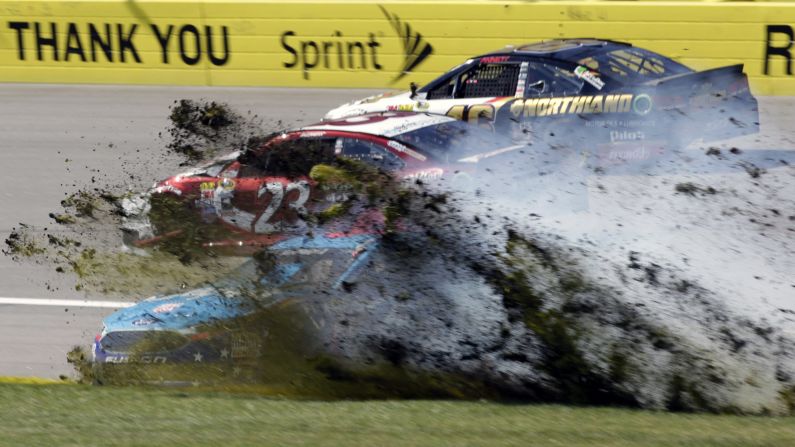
65 303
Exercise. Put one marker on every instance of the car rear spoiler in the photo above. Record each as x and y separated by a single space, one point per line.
729 70
717 103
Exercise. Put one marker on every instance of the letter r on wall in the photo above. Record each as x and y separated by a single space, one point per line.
779 51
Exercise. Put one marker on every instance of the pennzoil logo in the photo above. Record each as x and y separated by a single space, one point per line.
340 52
415 48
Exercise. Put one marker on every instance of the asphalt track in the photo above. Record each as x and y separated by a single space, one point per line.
55 138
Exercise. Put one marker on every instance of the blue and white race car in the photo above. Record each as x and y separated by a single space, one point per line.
207 324
583 92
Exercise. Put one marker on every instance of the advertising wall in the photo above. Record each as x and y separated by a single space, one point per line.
348 43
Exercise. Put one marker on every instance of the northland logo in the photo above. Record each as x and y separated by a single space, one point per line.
338 52
415 49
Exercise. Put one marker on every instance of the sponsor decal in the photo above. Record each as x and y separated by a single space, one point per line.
493 59
116 42
342 53
400 108
406 150
167 307
168 188
621 123
626 135
588 76
581 105
226 184
123 358
425 175
642 104
313 134
145 321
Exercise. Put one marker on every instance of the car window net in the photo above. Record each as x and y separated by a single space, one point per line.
489 80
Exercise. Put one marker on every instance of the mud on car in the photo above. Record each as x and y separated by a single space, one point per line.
263 195
232 321
584 92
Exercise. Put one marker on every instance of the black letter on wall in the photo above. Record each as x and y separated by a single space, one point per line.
42 41
163 40
289 49
19 26
73 43
217 60
190 60
779 51
125 42
96 39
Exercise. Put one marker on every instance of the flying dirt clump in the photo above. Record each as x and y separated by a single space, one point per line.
200 130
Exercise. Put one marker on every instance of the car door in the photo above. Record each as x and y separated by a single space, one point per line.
265 195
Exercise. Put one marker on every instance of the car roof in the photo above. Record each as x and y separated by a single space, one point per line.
386 124
569 50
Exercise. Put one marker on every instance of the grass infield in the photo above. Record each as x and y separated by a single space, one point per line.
73 415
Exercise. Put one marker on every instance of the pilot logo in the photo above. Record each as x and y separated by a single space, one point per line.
415 49
341 52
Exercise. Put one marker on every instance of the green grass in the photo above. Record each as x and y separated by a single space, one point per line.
33 415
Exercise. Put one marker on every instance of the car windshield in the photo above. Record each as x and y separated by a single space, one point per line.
633 64
454 140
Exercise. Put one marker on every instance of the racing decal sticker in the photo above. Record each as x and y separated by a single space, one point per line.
400 108
425 175
313 134
260 222
588 76
494 59
405 149
581 105
145 321
166 308
520 85
642 104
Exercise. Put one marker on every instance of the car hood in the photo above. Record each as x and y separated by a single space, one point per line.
374 103
178 312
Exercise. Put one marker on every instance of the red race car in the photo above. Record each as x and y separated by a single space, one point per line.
260 196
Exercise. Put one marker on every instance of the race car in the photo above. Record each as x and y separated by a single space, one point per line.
223 321
584 92
263 195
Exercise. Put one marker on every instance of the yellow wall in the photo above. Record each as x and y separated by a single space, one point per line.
701 34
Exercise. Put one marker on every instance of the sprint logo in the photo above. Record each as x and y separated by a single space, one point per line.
415 48
341 52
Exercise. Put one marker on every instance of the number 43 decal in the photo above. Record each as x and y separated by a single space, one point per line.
260 222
